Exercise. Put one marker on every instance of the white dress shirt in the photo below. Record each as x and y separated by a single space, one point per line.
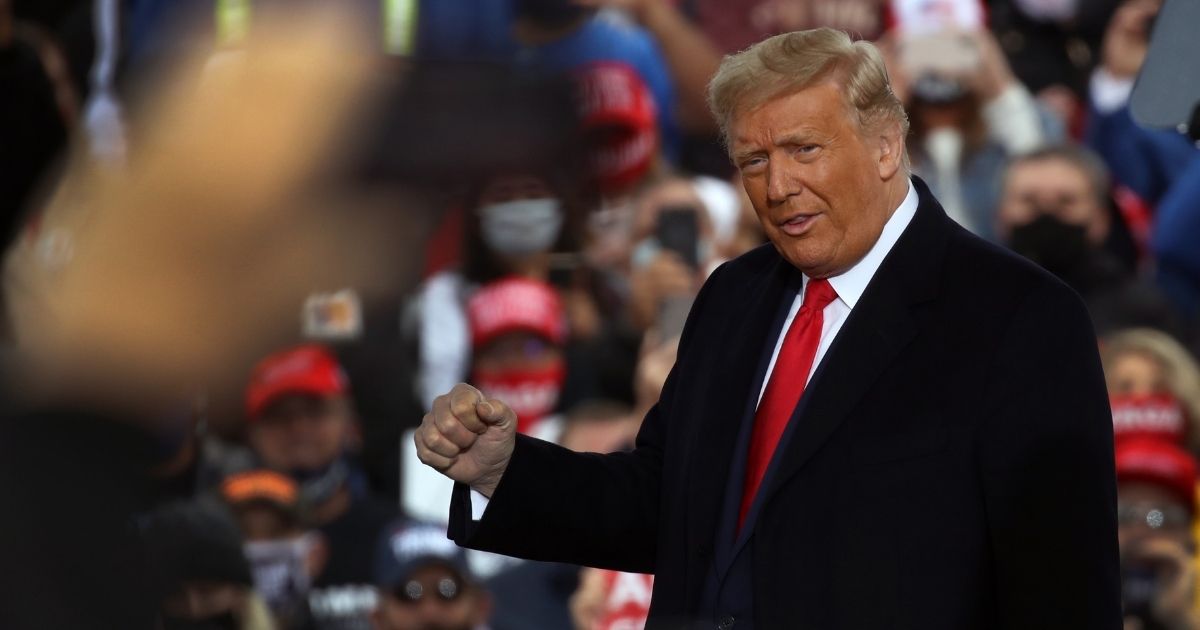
849 285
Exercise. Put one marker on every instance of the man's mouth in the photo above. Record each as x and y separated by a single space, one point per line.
798 224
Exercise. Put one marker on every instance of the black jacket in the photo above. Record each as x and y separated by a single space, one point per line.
951 465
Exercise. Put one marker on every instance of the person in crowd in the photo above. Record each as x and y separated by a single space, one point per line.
562 36
425 583
1054 211
1154 384
301 423
194 553
1052 48
513 225
1147 161
284 555
967 120
1156 506
518 334
1176 257
674 245
618 118
1156 170
751 517
690 56
518 330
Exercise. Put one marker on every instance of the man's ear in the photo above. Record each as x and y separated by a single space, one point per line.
891 150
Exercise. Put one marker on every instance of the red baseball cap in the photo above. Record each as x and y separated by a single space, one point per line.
614 101
1158 462
309 369
1157 415
516 304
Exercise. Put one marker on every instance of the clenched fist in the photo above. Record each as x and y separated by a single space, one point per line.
468 438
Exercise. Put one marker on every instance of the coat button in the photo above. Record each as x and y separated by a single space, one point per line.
726 622
703 552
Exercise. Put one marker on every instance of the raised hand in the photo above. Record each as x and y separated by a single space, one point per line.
468 438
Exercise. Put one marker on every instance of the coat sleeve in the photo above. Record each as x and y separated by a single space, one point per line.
598 510
1046 465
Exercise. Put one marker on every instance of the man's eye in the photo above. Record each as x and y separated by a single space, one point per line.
806 149
753 163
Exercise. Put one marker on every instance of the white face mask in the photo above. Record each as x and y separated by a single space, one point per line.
945 147
280 569
524 226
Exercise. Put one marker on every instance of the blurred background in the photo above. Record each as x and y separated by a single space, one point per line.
247 242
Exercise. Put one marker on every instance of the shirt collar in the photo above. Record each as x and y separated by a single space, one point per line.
851 284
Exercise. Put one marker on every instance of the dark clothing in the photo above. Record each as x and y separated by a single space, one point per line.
73 485
351 538
342 596
532 595
950 465
32 131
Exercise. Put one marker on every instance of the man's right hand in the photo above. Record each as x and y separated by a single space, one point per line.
468 438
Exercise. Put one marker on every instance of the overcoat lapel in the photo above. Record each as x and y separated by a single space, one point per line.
733 395
878 328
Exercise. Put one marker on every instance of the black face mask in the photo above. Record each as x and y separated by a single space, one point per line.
224 621
317 486
1057 247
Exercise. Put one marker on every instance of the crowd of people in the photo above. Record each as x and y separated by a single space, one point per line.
561 285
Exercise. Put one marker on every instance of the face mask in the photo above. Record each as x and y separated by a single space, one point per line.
532 394
521 227
1058 247
1157 415
223 621
280 572
318 486
944 146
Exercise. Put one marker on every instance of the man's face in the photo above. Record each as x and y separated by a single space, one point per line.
301 432
1055 187
437 605
517 351
1135 373
821 188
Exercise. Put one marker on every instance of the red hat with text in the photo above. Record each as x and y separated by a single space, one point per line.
309 370
1160 463
516 304
618 113
1158 415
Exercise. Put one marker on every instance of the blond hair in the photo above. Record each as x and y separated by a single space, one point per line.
1180 371
787 63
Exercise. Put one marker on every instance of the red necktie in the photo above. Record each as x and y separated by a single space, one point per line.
785 386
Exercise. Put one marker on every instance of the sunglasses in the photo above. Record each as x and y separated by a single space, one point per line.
447 590
1154 516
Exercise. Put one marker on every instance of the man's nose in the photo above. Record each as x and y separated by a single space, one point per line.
782 183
